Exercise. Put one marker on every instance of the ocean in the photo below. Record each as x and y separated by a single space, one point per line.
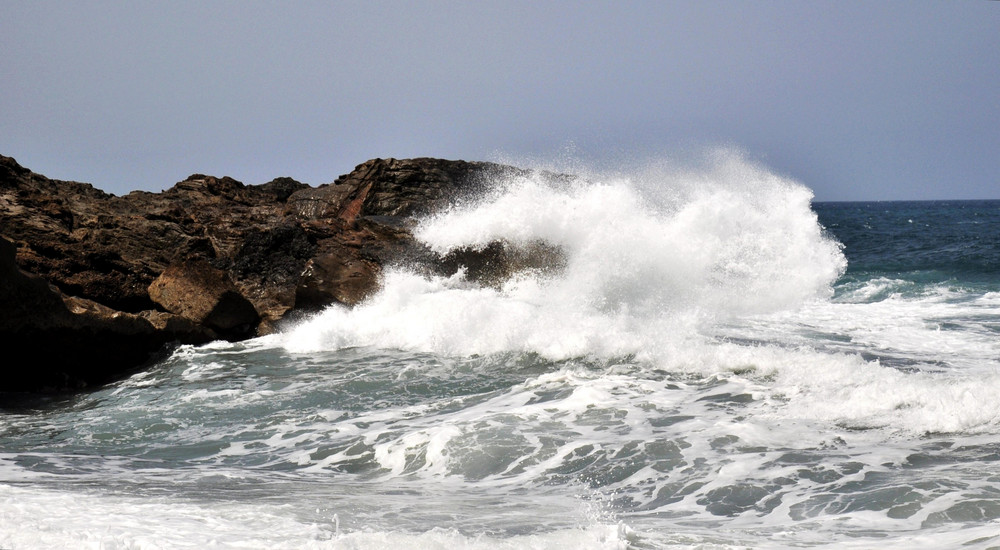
714 361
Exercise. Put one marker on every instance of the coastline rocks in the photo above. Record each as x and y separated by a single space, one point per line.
209 258
206 296
25 299
55 342
336 278
498 261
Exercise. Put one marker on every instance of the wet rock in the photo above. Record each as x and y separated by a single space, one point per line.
268 266
336 278
499 261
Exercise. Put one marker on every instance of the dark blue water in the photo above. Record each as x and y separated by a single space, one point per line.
925 242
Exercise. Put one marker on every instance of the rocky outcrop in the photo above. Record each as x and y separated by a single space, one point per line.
56 342
332 278
210 257
206 295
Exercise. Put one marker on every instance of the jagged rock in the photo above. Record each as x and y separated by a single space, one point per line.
54 342
252 252
268 266
110 249
415 186
205 295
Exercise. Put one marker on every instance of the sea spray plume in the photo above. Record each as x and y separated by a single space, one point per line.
760 244
644 258
730 236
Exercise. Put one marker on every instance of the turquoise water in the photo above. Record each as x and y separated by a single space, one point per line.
720 364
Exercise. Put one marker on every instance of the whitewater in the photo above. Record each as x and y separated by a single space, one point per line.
710 360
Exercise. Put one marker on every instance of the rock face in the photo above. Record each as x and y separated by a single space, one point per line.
206 295
209 257
334 278
55 342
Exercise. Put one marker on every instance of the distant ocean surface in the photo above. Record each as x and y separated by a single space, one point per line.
721 363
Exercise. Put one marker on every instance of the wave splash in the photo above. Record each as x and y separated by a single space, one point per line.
647 259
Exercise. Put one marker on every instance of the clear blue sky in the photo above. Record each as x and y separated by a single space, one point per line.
857 100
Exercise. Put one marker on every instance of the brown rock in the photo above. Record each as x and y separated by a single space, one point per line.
54 342
205 295
221 253
110 249
336 278
181 329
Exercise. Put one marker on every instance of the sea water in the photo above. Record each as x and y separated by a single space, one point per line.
714 361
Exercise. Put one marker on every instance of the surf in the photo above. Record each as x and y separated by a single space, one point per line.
644 259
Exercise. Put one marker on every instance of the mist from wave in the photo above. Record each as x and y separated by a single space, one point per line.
645 262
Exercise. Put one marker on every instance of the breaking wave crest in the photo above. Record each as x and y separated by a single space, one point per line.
644 260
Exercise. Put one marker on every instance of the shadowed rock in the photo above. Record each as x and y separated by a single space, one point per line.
497 262
55 342
206 296
336 278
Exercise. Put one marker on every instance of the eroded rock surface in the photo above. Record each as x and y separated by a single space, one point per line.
211 257
205 295
56 342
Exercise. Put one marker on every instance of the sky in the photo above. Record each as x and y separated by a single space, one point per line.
858 100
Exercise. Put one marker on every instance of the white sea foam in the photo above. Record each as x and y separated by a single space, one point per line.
662 264
47 519
647 260
698 387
